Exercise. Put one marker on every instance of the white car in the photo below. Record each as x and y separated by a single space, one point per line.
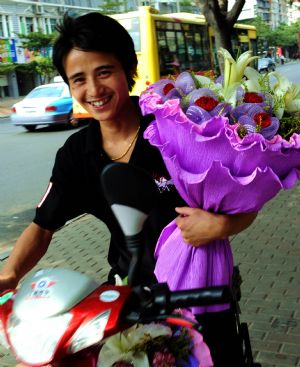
45 105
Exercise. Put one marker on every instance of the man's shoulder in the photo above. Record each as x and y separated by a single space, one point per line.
78 142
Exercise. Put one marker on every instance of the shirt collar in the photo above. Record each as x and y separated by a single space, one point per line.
93 135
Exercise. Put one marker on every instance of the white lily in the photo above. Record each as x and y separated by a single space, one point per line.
286 94
292 99
122 346
255 82
234 70
234 73
282 84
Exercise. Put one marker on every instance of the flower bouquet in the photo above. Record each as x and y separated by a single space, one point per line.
156 345
230 145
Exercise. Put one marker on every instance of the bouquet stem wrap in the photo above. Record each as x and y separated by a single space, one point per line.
216 170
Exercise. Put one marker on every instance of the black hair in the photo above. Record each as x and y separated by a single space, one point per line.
95 32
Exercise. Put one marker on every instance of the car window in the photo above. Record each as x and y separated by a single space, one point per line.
55 91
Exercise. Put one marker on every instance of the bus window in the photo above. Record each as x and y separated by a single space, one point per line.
168 52
186 47
181 50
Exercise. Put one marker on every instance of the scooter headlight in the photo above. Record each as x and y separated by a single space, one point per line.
35 341
89 333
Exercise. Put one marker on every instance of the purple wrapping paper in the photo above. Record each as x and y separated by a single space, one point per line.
214 169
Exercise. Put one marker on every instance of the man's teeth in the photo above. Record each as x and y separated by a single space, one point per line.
99 103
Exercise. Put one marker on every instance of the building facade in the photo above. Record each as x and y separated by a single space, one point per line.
26 16
272 12
294 12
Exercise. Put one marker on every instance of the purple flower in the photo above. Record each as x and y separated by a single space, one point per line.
199 115
263 100
185 82
252 118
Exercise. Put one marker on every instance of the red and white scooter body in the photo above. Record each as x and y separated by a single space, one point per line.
57 313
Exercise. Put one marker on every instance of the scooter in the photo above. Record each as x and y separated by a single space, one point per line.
59 317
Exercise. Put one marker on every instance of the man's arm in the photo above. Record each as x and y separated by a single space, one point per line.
29 249
199 227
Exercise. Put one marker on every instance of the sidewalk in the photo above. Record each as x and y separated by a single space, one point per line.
6 104
268 256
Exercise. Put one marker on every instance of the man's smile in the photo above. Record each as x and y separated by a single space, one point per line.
101 102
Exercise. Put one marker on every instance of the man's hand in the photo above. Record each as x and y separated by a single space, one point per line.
28 250
199 227
7 282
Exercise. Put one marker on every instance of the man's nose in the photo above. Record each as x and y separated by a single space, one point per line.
94 87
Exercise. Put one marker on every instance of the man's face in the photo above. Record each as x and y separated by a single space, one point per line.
98 82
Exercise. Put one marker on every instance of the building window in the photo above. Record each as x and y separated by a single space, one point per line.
53 23
50 25
84 3
29 26
5 29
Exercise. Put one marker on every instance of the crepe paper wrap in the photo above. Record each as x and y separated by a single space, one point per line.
213 168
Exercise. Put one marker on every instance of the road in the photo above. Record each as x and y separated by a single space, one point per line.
291 71
26 160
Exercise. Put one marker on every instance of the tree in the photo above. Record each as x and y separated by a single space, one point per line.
40 44
220 19
114 6
264 34
285 35
37 41
45 68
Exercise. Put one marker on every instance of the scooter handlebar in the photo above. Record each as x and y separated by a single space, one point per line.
200 297
158 301
165 301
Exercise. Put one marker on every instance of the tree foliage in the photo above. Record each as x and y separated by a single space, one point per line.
285 35
6 68
40 44
45 68
114 6
35 41
221 19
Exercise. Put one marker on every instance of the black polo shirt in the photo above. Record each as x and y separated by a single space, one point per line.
75 189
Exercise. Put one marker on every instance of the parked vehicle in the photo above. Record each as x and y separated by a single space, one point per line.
49 104
59 317
266 64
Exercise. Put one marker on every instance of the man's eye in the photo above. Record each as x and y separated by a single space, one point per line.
104 73
78 80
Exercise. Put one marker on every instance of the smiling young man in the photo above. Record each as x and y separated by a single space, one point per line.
95 55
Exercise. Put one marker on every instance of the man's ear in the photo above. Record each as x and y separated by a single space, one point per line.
133 71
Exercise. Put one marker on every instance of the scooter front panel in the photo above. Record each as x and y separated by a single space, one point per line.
50 292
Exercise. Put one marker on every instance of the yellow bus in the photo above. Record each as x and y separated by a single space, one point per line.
170 43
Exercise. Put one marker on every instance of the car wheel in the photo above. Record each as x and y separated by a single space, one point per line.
73 121
30 127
